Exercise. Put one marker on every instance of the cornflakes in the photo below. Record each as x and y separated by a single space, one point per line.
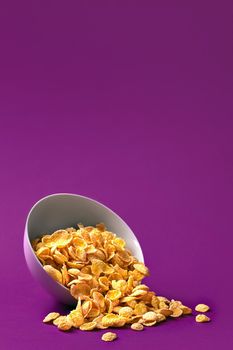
79 290
137 326
202 308
113 294
149 316
64 324
76 318
109 336
125 311
113 320
176 312
186 310
202 318
140 309
58 320
149 323
142 269
54 273
89 326
105 279
59 239
51 316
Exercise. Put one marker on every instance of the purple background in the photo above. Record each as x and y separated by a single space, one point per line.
130 103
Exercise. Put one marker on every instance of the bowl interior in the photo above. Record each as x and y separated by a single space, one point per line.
65 210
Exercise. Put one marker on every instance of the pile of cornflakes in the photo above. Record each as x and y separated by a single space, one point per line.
104 278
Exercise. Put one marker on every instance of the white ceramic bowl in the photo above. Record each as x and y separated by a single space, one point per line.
65 210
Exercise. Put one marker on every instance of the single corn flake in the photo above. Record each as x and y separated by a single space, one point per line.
202 318
109 336
54 273
58 320
174 304
142 269
137 326
141 286
59 257
89 326
114 294
149 323
149 316
76 318
98 320
79 243
65 324
119 284
160 317
96 267
120 242
140 309
79 290
176 312
99 300
202 308
94 311
138 293
186 310
112 320
51 316
165 312
125 311
59 239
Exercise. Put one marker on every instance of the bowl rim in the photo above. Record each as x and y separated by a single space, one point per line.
73 195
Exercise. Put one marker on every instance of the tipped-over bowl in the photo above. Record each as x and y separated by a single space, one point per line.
63 210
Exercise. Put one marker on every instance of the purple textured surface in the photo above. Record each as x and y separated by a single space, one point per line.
129 103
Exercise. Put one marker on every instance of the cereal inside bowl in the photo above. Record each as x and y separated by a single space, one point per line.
89 259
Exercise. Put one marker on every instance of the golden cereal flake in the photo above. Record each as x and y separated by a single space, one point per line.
89 326
165 312
149 316
113 320
76 318
120 242
186 310
58 320
141 287
125 311
98 321
176 312
160 317
137 326
138 293
109 336
114 294
54 273
99 299
202 308
142 269
65 324
149 323
94 311
51 316
140 309
202 318
59 239
80 289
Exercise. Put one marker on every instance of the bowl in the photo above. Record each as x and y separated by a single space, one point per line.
62 210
